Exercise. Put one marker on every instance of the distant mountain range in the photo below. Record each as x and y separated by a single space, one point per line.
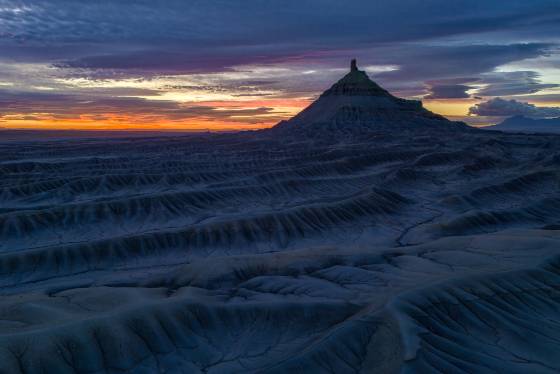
526 124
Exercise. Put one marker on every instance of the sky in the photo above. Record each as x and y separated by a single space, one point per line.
247 64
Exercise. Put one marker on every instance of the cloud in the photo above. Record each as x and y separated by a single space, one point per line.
506 108
425 62
449 89
543 98
513 83
448 92
223 23
219 34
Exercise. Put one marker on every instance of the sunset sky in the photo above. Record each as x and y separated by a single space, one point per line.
226 65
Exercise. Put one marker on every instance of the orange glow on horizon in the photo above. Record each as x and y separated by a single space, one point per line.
282 109
132 124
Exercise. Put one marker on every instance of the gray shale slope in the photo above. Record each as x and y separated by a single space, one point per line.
377 237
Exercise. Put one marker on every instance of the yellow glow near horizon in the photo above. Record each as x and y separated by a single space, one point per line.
450 107
544 103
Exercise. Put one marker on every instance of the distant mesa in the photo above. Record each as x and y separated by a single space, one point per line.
357 104
521 123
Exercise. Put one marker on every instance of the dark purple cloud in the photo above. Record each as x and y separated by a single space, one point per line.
455 91
213 35
454 88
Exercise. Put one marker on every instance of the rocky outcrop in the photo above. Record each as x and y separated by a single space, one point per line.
356 104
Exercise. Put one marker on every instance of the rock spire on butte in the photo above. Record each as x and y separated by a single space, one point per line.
357 104
353 65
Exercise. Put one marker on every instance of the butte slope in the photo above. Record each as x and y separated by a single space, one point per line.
348 248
